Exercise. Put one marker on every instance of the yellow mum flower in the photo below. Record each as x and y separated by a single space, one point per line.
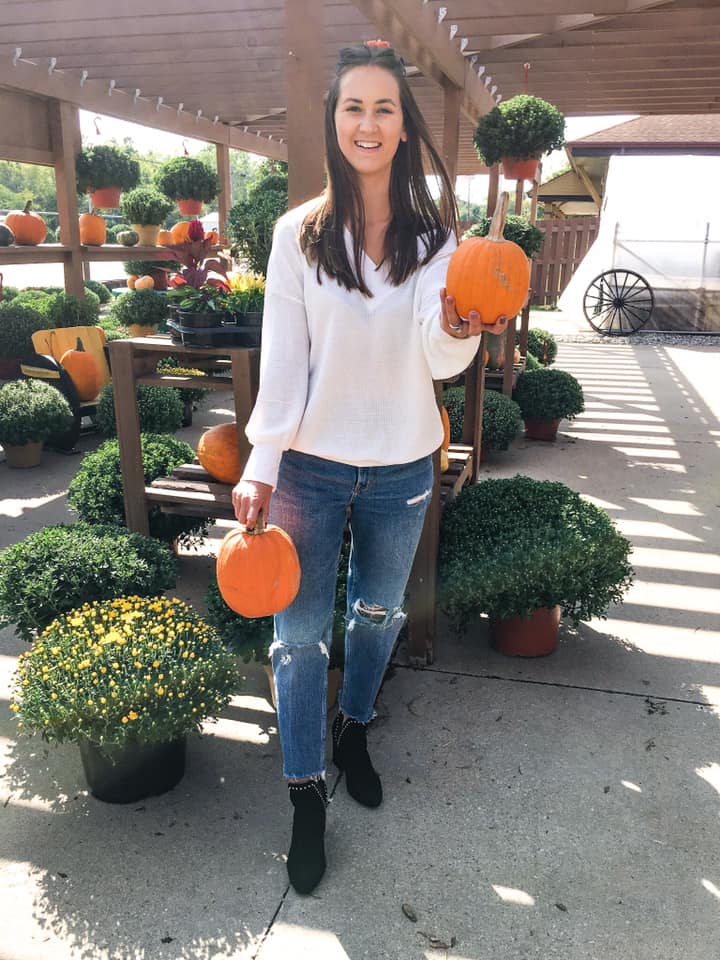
123 720
132 715
160 691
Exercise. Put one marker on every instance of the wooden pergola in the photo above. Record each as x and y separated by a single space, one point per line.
251 75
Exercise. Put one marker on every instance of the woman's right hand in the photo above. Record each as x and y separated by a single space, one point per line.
249 497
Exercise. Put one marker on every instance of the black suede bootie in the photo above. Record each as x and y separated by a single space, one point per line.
350 755
306 859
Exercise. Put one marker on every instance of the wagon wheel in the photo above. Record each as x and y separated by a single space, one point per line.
618 302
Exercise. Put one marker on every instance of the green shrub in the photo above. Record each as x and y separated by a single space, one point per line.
115 229
99 289
66 310
510 546
501 417
63 566
18 322
532 362
96 491
540 341
160 410
454 403
548 395
522 127
113 330
31 411
146 307
517 229
106 165
187 178
145 206
139 268
8 293
251 222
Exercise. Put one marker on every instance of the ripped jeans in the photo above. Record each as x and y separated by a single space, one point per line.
388 508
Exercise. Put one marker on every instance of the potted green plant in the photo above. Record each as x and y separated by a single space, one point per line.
105 171
546 397
18 322
188 181
246 299
145 209
251 222
160 409
31 411
64 566
65 310
511 547
101 291
501 420
157 269
203 306
143 312
190 396
127 680
517 229
520 129
541 345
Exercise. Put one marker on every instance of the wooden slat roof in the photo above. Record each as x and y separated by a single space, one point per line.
227 59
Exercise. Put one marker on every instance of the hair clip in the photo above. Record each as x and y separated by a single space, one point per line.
377 43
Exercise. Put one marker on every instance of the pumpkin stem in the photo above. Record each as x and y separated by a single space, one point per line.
28 207
259 524
79 345
498 221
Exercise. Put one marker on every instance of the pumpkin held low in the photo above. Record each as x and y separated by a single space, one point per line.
489 274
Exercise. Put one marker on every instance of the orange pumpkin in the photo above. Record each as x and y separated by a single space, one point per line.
213 236
165 238
258 571
446 428
93 230
219 453
29 228
132 280
489 274
84 371
444 461
144 283
179 232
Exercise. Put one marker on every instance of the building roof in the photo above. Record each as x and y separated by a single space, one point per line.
668 133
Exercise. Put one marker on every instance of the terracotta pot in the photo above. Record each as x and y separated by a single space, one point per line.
107 198
335 677
148 233
541 429
190 208
513 169
9 368
160 278
21 458
533 636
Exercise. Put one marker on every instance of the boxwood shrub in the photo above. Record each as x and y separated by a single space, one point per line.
501 417
160 410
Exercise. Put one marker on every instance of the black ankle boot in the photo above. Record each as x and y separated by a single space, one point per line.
306 859
350 754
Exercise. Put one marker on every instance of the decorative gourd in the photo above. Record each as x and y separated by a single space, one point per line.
213 236
180 231
165 238
145 282
29 228
219 453
258 571
132 280
6 235
446 428
444 461
489 274
128 238
84 371
93 230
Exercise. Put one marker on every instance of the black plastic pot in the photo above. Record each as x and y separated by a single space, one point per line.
226 335
200 320
130 773
252 318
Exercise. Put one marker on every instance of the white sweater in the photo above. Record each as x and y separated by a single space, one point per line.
344 376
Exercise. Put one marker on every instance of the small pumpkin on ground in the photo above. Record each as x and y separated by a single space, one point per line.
29 228
258 571
219 453
145 282
132 280
93 230
84 371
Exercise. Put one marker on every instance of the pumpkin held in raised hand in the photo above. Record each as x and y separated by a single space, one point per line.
93 230
29 228
84 371
489 274
219 453
258 571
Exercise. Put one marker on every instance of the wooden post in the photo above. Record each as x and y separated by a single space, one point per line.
519 189
127 421
245 380
305 109
493 190
536 190
65 139
475 396
222 153
452 97
507 386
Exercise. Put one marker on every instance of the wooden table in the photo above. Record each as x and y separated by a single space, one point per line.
134 362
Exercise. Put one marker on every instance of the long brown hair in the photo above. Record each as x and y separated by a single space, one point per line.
413 210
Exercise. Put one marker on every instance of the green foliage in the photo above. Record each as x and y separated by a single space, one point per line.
96 491
187 178
251 222
63 566
250 638
115 229
99 289
548 395
247 295
106 165
18 322
113 330
532 362
139 268
146 307
145 206
20 182
510 546
538 342
192 395
31 411
204 299
517 229
501 417
8 293
521 127
160 410
454 403
65 310
122 671
51 235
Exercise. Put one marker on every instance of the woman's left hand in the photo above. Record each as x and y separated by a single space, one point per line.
462 329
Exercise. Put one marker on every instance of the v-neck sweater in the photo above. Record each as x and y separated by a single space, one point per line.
347 377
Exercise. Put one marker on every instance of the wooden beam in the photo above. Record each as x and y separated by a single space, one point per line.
493 188
65 139
305 109
452 97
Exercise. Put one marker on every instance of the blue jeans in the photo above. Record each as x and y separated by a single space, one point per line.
388 507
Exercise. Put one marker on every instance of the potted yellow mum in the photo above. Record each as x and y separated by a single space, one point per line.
127 680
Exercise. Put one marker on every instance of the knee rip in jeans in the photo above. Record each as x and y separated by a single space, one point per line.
287 648
374 614
420 497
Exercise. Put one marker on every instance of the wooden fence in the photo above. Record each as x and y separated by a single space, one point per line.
566 243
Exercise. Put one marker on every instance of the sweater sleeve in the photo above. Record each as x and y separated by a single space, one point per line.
446 355
284 359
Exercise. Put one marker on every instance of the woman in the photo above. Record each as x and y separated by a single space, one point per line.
356 327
